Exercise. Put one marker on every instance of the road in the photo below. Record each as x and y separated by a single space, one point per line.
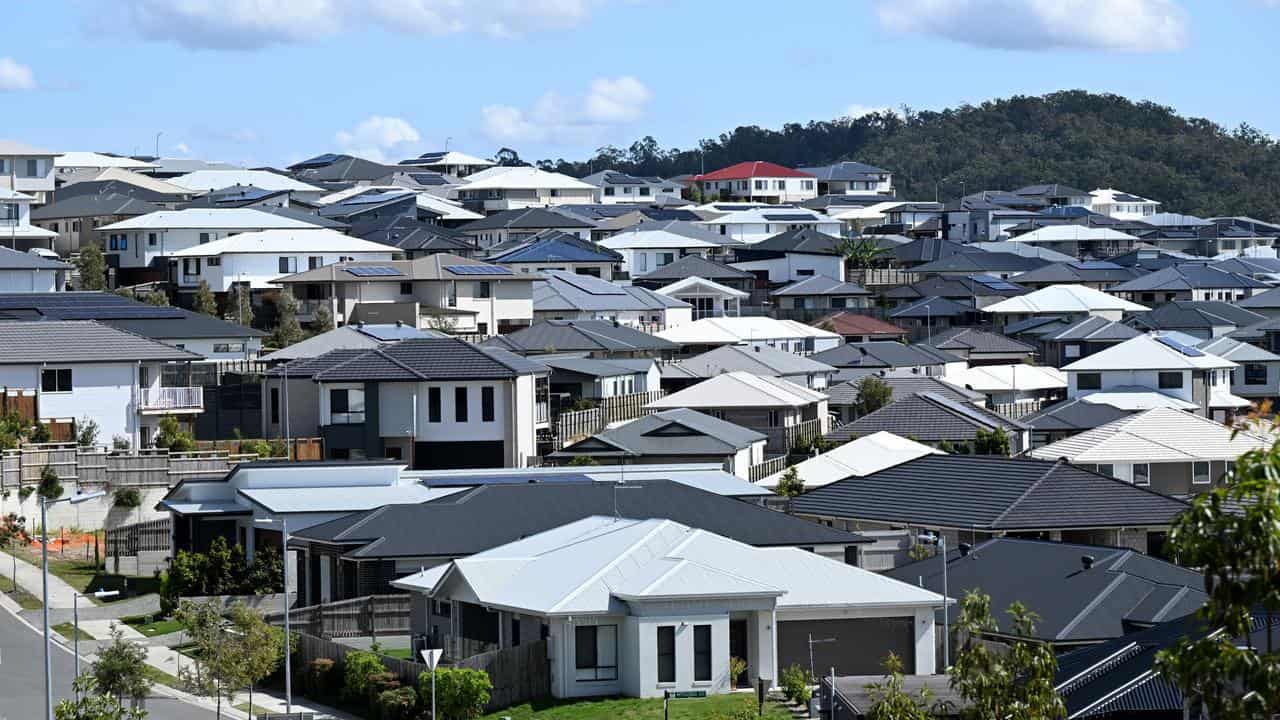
22 678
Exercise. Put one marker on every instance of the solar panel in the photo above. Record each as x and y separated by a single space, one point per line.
477 270
373 271
1184 349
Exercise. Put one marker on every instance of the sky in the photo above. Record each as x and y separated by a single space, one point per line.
271 82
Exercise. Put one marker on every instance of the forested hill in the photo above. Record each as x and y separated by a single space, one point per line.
1074 137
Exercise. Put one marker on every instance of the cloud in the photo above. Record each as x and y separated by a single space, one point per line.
15 76
557 119
1117 25
378 137
252 24
182 148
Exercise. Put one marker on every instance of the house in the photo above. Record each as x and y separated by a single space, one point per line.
617 187
1168 450
361 553
852 178
594 338
673 436
690 266
125 182
821 293
788 335
861 456
999 265
935 420
854 327
1081 594
793 255
707 297
982 347
449 162
73 160
208 180
76 369
872 357
341 170
1189 281
845 397
1162 365
787 413
1061 420
643 607
752 225
556 250
755 359
1081 241
1022 498
15 223
976 291
758 182
1061 340
25 272
652 245
27 170
563 295
1258 376
924 316
1122 205
241 196
416 238
167 168
517 188
1203 319
575 379
356 336
522 224
437 291
1056 195
433 403
75 220
1097 274
1013 389
1072 300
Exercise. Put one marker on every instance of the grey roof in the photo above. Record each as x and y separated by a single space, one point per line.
563 290
1074 603
1051 190
161 323
308 367
427 359
410 233
884 354
1076 272
530 219
925 250
1091 329
677 432
928 418
963 287
755 359
551 246
846 393
1188 276
1237 351
350 337
984 492
821 285
93 205
491 515
844 171
981 262
974 340
186 324
932 307
803 240
304 216
695 265
1073 416
591 367
14 260
1192 314
79 341
579 336
436 266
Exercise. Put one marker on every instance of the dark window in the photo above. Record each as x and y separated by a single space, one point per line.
1089 381
433 404
460 404
702 653
1170 380
596 652
338 401
1255 374
484 290
486 403
1200 473
515 631
55 380
666 653
406 288
204 238
152 239
314 261
804 273
275 405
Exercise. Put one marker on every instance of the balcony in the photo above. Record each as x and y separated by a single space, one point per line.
166 400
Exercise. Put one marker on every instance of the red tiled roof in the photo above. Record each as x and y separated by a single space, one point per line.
758 168
848 323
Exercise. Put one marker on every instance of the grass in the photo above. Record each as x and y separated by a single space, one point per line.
24 599
254 710
68 631
401 653
160 677
86 577
150 627
710 708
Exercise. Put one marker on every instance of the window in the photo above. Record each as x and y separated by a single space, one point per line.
433 404
642 259
228 347
460 404
1088 381
760 184
1108 469
666 653
702 653
213 261
153 239
1255 374
595 652
32 167
626 191
666 258
346 406
124 242
608 192
644 192
780 184
484 289
1170 380
773 418
314 261
804 273
1200 473
275 406
486 403
190 266
204 238
808 184
55 380
1142 474
1071 351
452 299
288 264
406 288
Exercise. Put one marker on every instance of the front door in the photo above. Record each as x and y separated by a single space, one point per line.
738 648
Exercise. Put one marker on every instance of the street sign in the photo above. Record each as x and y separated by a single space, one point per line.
689 694
431 657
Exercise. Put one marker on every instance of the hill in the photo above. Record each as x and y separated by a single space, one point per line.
1082 139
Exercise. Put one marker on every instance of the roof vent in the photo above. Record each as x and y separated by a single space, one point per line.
616 324
399 323
1087 561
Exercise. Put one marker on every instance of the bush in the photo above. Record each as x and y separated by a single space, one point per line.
173 437
50 485
127 498
460 693
358 667
398 704
320 678
377 684
737 666
796 684
120 442
86 432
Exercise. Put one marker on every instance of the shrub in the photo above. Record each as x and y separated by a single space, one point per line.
24 492
359 666
796 684
50 485
127 498
398 704
120 442
40 433
320 678
460 692
377 684
86 432
790 484
173 437
737 666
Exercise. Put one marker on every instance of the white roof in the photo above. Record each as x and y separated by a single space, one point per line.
146 182
694 283
1157 435
317 240
741 329
1064 299
629 239
448 209
1005 378
595 565
870 212
13 148
1108 195
210 218
1133 399
740 389
210 180
451 157
1067 233
86 159
1149 352
856 458
7 194
343 499
756 216
522 178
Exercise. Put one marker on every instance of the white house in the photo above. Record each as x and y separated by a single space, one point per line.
515 188
642 607
139 241
27 170
759 181
794 256
30 273
449 162
84 369
852 178
1015 384
752 226
613 187
1079 240
789 335
1122 205
781 409
1066 300
708 298
16 230
255 259
650 245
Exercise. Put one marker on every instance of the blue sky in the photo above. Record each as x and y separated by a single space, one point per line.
274 81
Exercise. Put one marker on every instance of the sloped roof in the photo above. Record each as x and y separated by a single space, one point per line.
709 331
1198 314
845 170
564 290
740 389
528 219
861 456
211 218
691 265
981 262
1076 272
664 234
1188 276
757 359
79 341
751 169
1148 352
94 204
1156 435
675 432
932 307
1237 351
207 180
975 340
1092 328
1069 232
1073 415
820 285
696 285
852 323
804 240
929 417
426 359
521 178
846 393
579 336
554 246
1010 377
15 260
313 239
349 337
884 354
1063 299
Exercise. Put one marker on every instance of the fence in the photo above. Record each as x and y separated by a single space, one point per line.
152 535
578 424
1015 410
782 439
881 277
372 615
770 466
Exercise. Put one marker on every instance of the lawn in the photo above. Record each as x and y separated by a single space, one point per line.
253 711
68 631
86 577
160 677
147 625
25 599
710 708
401 653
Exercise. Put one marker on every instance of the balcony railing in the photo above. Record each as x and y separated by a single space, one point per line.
171 399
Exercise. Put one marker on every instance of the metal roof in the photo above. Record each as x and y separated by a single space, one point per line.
821 285
554 246
757 359
668 433
885 354
740 389
564 290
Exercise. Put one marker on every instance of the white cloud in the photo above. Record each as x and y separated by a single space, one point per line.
251 24
1119 25
15 76
554 118
182 148
378 138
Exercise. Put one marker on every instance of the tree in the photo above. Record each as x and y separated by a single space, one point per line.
13 531
121 669
891 702
156 297
204 301
221 666
260 645
287 330
461 693
862 252
790 484
93 705
243 306
324 318
50 487
173 437
506 157
993 442
583 460
873 394
92 267
1017 684
1232 533
86 431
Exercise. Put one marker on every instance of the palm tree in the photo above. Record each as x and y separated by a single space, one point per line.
861 252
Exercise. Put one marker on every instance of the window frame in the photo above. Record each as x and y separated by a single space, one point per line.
702 653
1164 380
461 411
435 398
58 375
581 644
667 653
1208 469
1094 384
487 403
1146 474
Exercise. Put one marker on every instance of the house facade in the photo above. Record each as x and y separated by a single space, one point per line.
27 170
255 259
758 181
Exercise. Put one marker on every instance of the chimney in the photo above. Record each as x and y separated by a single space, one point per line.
1087 561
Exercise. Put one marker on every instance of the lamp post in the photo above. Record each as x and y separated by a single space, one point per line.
941 542
44 586
75 613
288 637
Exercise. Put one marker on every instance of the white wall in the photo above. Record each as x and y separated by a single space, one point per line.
228 348
259 269
143 246
32 281
102 391
788 269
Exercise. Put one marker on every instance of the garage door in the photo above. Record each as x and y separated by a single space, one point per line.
448 455
859 648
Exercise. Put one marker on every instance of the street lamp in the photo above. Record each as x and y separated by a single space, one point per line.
941 542
288 637
75 612
44 586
